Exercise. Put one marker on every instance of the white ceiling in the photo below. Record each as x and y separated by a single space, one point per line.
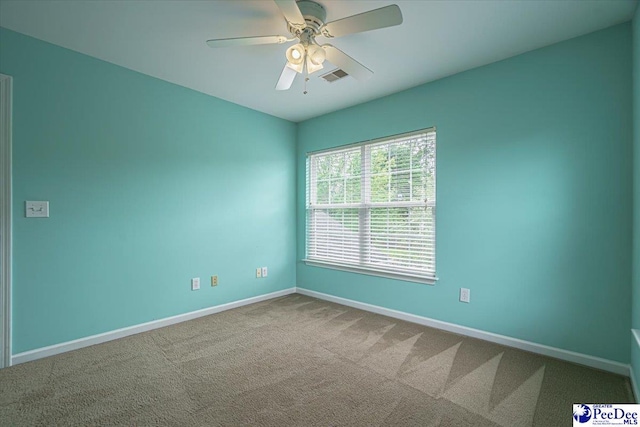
166 39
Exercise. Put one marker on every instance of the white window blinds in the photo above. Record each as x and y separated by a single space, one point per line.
372 206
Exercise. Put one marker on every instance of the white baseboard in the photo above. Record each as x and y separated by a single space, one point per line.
39 353
570 356
634 385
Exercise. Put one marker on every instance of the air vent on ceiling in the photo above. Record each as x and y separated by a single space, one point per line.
335 75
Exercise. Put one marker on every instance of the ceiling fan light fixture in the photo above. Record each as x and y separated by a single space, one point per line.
295 54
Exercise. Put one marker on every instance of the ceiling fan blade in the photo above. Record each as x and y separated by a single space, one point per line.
247 41
291 12
346 63
387 16
286 78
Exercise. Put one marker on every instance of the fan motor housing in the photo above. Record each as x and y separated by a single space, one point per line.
314 13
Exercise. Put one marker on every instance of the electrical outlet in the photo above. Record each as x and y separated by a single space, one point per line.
214 280
195 283
465 295
264 271
258 273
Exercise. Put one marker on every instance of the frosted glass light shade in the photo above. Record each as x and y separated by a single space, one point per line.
295 54
316 54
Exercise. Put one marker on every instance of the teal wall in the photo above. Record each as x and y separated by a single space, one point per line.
635 294
149 184
534 195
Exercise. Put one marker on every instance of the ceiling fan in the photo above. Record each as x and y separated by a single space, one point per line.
305 19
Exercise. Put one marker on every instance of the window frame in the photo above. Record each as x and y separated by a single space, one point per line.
366 205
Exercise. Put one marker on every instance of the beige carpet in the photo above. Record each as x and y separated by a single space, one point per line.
300 361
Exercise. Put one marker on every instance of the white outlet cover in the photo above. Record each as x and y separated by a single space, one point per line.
465 295
36 209
264 271
195 283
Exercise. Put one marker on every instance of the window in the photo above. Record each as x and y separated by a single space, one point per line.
371 207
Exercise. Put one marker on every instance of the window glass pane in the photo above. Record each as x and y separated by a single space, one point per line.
431 187
322 166
400 187
337 177
322 192
400 156
430 165
380 188
353 163
336 165
380 159
337 191
379 173
353 190
418 185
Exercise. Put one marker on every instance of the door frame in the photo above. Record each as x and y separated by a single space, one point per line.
6 89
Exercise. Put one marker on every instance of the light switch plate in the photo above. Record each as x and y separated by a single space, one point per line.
36 209
195 283
264 271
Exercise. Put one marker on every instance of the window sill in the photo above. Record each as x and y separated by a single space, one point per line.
372 272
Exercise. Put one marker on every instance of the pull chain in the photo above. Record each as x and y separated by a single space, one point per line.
306 71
